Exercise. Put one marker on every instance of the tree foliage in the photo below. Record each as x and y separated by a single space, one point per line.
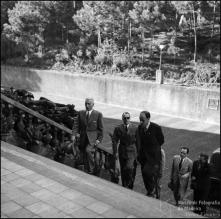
135 29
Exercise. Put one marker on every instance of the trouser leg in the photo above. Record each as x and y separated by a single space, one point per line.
90 151
122 170
134 173
128 172
97 162
158 187
148 179
182 192
202 197
176 192
196 196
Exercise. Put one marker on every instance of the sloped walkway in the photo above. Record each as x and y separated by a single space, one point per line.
33 186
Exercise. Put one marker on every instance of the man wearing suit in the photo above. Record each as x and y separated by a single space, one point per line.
90 131
149 140
125 136
180 174
200 183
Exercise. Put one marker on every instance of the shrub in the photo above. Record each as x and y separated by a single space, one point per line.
121 61
102 58
105 54
17 61
207 73
144 72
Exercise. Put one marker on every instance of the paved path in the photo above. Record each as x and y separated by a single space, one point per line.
33 186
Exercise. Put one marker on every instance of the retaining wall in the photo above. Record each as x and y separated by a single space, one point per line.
193 103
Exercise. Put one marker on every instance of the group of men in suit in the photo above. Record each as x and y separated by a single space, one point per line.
132 144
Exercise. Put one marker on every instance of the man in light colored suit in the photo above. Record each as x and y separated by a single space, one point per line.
90 131
180 174
124 142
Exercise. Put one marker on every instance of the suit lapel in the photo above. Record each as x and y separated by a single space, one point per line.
123 128
85 117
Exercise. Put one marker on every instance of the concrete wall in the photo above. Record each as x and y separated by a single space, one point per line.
193 103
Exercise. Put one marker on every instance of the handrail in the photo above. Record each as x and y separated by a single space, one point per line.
40 116
34 113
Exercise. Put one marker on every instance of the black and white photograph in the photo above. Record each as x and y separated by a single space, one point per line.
110 109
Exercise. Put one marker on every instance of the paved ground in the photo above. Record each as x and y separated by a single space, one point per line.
33 186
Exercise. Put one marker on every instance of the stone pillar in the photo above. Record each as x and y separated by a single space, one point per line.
159 76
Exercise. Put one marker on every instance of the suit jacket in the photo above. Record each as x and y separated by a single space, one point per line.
127 141
149 143
183 175
91 131
202 174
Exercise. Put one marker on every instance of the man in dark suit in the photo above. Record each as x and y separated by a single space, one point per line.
90 131
149 140
200 183
124 142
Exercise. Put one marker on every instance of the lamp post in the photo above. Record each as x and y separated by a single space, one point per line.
161 48
159 72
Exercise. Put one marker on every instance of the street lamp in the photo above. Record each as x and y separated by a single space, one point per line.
159 72
161 48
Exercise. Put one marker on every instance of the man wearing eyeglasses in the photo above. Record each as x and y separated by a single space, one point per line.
124 146
149 140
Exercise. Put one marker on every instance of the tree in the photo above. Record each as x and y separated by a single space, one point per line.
5 5
191 11
60 19
146 17
26 24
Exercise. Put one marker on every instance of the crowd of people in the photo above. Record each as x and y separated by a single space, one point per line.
143 144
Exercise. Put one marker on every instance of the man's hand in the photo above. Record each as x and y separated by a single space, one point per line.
97 142
115 156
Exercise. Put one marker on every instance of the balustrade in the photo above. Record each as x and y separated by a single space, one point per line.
46 128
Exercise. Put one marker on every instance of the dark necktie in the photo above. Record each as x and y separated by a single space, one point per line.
180 164
87 116
126 128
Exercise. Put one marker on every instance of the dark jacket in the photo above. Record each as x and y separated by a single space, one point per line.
91 131
202 174
127 141
149 143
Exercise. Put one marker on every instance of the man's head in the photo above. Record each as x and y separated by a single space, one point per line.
126 118
144 118
184 151
89 103
203 158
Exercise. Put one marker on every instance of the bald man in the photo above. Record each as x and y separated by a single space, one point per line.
90 131
150 138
